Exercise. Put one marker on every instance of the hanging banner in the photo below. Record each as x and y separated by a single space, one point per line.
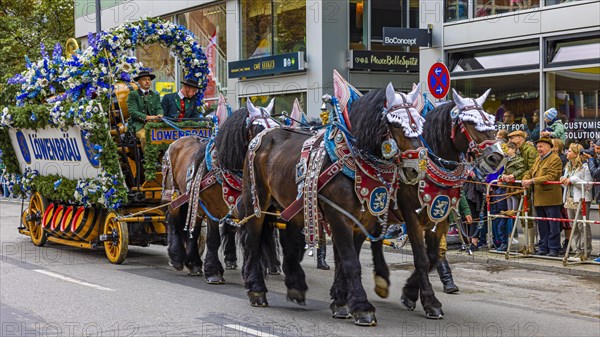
54 151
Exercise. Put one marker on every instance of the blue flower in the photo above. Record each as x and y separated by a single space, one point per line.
57 183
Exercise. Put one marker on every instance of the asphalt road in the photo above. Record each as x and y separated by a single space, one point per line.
62 291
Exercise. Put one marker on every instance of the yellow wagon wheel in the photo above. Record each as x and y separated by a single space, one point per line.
117 243
35 212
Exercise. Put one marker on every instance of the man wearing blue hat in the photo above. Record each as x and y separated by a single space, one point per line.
554 126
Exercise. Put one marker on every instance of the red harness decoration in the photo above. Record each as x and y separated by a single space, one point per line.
439 192
232 188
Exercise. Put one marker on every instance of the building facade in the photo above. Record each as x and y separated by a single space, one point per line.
534 54
316 36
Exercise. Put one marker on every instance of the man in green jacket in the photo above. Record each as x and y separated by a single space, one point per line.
526 151
144 105
529 155
182 104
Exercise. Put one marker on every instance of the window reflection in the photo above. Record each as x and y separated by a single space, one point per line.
493 7
455 10
272 27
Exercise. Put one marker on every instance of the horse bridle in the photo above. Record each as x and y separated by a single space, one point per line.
415 159
263 119
475 149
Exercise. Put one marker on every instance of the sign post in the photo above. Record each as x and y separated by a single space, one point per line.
438 80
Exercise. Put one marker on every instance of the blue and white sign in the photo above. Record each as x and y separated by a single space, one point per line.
378 200
54 151
440 208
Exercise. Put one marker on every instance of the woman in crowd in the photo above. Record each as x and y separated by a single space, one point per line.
576 172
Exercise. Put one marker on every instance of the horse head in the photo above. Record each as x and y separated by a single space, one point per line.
405 125
473 133
259 118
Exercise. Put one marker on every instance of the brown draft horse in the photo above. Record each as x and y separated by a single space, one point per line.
187 160
380 116
460 129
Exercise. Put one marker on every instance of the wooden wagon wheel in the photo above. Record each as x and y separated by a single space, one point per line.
37 207
117 245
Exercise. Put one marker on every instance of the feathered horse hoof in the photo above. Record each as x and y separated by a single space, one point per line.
364 318
296 296
230 265
408 303
195 271
215 279
340 311
176 265
258 299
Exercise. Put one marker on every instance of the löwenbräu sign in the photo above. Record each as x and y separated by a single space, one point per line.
384 60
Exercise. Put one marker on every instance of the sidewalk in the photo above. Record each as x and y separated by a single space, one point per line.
547 264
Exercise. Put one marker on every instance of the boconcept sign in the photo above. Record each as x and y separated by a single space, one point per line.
394 36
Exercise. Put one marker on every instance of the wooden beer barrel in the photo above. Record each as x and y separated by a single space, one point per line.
47 218
57 219
88 228
64 229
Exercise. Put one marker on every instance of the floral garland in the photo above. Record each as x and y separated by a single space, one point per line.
84 81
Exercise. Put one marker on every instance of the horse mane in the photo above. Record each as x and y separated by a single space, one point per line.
437 129
368 125
232 141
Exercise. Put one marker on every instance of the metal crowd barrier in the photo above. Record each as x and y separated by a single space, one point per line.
523 214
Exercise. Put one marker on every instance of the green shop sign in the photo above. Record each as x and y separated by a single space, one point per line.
268 65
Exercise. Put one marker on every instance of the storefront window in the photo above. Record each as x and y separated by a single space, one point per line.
455 10
573 50
493 7
272 27
358 25
574 93
513 99
392 13
209 26
283 102
557 2
494 60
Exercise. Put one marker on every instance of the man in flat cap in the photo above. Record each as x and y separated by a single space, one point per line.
547 199
144 105
182 104
526 151
529 155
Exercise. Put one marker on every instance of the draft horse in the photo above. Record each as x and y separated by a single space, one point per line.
383 125
460 137
209 172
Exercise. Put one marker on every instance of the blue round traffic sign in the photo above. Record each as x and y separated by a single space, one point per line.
438 80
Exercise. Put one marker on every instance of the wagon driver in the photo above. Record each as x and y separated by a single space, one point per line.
143 105
182 104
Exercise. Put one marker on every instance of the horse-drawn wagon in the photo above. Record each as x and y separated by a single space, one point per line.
66 144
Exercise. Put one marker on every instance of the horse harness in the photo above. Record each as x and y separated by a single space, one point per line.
375 183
